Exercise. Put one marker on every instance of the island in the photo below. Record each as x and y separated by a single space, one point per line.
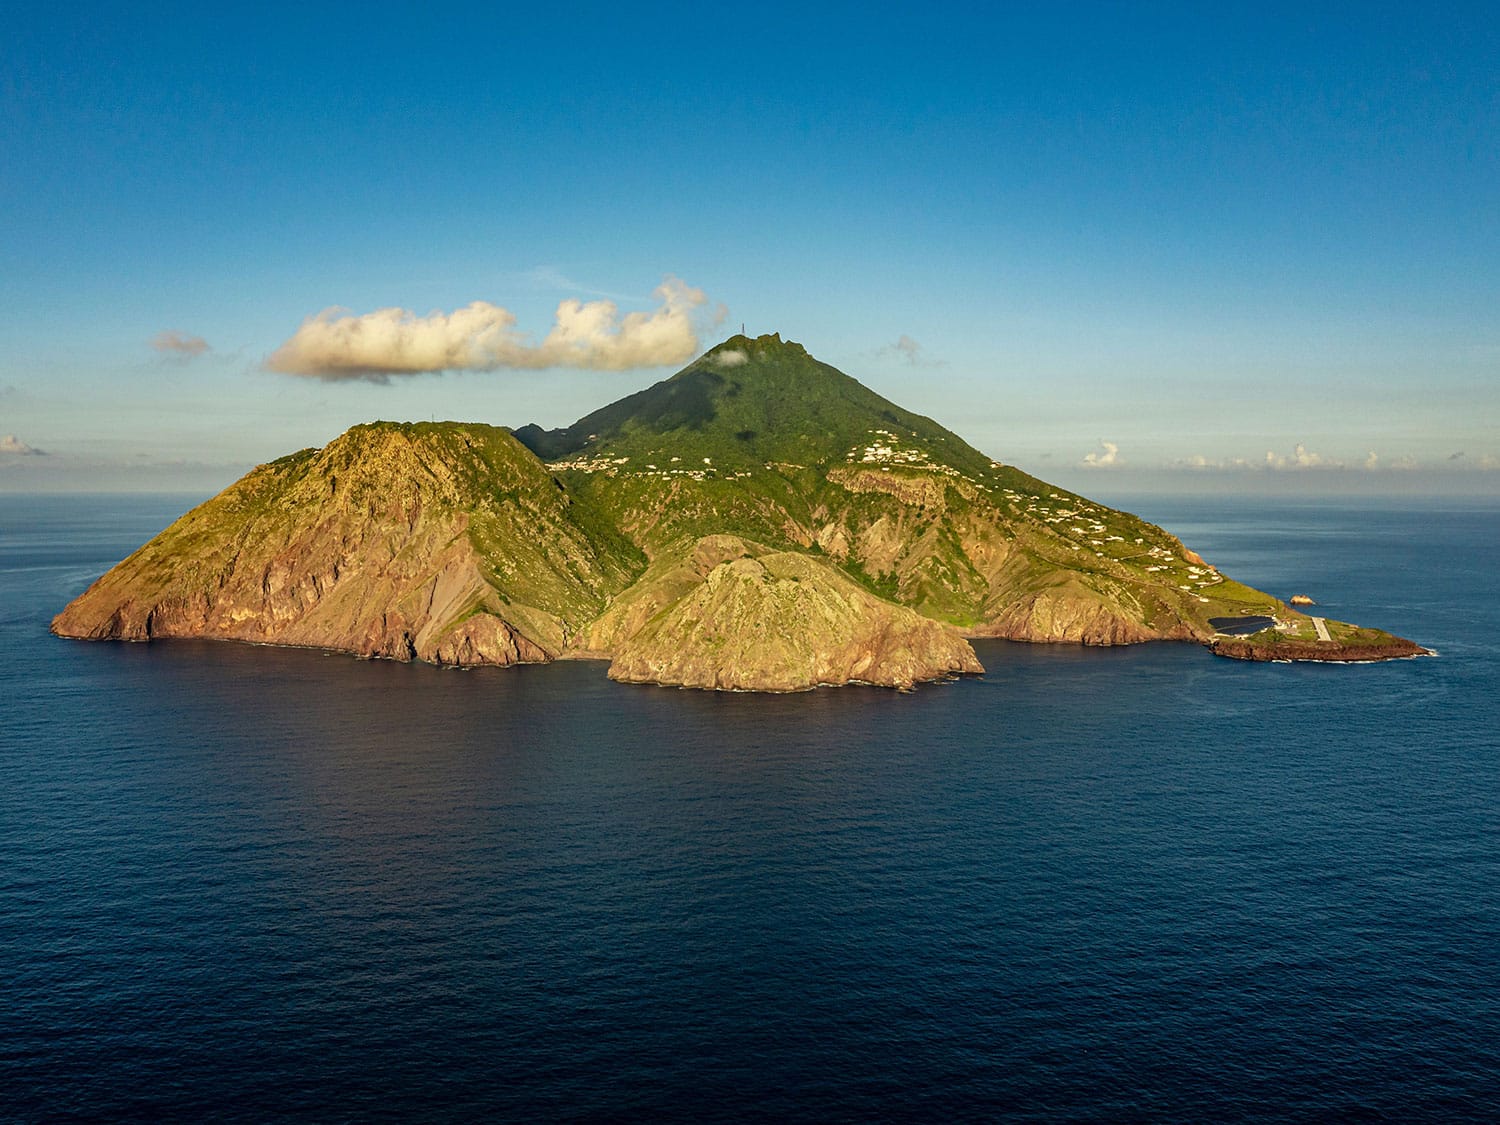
759 521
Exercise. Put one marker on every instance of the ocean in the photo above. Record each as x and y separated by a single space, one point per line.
249 884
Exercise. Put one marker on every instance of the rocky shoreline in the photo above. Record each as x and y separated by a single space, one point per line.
1279 648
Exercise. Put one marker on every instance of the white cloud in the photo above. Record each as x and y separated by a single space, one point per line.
482 336
1109 456
180 344
9 443
1372 461
729 357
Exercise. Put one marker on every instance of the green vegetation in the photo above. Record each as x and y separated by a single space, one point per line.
757 438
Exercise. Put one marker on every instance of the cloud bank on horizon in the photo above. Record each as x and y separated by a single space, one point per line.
1302 459
9 443
337 345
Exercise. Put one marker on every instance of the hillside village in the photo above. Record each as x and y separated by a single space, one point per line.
1085 526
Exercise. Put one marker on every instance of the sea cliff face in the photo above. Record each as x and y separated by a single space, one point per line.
760 521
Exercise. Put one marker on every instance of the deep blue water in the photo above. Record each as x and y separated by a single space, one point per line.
247 883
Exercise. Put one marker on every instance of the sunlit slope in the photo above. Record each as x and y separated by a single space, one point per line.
442 541
733 614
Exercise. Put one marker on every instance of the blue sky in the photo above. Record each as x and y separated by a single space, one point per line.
1189 243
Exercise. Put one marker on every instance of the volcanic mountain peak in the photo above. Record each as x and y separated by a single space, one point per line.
749 401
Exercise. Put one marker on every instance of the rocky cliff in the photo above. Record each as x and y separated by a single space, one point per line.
779 621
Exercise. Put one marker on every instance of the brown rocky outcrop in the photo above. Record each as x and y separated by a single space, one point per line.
783 621
1051 617
924 490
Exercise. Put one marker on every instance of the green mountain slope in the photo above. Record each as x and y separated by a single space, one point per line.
757 438
744 403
